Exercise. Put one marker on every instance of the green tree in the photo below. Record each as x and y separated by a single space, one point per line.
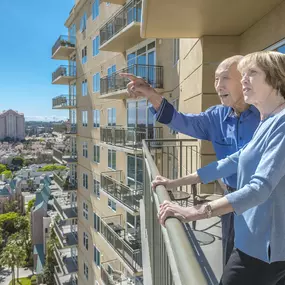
2 168
7 224
17 240
31 204
52 167
18 161
8 259
11 206
7 173
50 260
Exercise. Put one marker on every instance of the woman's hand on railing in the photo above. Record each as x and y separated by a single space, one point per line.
160 180
170 209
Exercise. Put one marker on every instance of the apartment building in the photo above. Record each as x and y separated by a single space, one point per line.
106 127
12 125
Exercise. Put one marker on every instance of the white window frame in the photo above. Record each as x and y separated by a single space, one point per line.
85 211
84 118
96 118
85 180
176 53
113 152
112 205
96 188
85 149
86 240
86 270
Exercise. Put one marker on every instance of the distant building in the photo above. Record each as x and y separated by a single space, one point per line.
12 125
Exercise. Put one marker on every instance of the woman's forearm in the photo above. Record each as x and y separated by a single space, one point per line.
192 178
219 207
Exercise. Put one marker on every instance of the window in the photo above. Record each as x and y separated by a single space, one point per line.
96 82
111 76
112 159
84 55
95 9
134 171
175 51
108 3
96 118
84 87
85 240
97 188
111 117
96 42
85 210
84 118
97 153
97 222
85 180
83 22
96 256
86 270
112 205
85 149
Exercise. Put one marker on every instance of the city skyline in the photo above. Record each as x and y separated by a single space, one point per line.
26 57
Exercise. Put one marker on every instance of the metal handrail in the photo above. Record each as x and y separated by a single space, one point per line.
131 12
129 136
64 70
64 41
64 101
152 74
182 260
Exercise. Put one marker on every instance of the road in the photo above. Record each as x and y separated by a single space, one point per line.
6 275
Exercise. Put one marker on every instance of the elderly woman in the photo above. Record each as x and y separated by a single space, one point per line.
259 202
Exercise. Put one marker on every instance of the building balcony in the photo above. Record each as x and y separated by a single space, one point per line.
65 208
194 19
66 260
63 47
114 273
64 158
127 196
64 74
67 184
191 252
126 245
129 139
66 233
115 86
64 102
71 130
122 31
64 279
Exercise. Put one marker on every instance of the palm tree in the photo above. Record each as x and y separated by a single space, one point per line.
8 259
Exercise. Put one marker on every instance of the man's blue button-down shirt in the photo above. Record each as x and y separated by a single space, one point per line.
219 124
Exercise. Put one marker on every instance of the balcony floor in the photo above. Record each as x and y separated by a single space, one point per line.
208 234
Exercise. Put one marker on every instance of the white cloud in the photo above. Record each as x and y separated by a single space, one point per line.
46 118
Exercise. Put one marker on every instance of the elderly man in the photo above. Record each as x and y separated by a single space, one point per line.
228 126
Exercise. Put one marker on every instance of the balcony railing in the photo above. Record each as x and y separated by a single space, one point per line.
65 184
64 279
153 74
64 102
64 71
65 208
125 194
129 137
179 252
66 260
130 13
66 233
71 129
126 245
64 41
113 273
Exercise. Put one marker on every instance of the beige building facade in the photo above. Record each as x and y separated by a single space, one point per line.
12 125
106 127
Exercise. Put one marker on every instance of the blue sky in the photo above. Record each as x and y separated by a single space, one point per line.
28 31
